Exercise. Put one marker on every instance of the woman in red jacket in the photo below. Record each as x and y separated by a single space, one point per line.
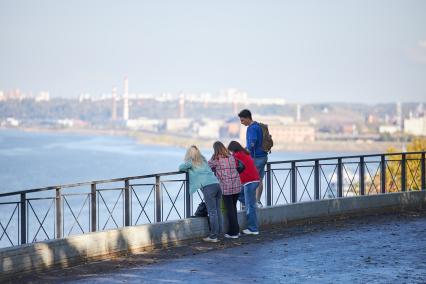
250 180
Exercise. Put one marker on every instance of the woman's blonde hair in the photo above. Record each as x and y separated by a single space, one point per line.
194 155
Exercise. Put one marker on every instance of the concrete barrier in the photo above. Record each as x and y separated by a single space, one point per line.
103 245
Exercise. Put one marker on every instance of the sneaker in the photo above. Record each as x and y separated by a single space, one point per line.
231 237
248 232
210 240
259 204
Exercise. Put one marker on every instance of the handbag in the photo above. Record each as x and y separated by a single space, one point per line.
201 210
240 167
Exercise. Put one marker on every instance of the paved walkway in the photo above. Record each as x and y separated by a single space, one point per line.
374 249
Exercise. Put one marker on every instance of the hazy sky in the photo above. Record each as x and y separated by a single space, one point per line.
302 51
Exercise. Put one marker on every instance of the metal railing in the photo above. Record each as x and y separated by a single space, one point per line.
334 177
63 210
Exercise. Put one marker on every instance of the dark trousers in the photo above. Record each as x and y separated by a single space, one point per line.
230 202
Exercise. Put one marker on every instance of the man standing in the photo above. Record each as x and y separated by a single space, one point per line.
254 139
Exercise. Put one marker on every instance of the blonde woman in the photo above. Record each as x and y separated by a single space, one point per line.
201 176
225 167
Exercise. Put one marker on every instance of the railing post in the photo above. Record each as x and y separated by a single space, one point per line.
383 174
59 214
188 197
404 172
339 178
93 208
268 185
158 198
127 196
23 219
361 176
423 175
317 180
293 183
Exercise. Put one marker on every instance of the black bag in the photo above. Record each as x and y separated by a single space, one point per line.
240 167
201 210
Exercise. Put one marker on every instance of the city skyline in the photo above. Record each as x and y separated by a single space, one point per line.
307 52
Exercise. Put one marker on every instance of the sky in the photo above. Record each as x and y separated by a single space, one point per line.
306 51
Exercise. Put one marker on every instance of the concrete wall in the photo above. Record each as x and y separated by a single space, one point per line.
106 244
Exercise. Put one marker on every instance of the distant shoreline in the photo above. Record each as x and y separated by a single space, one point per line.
148 138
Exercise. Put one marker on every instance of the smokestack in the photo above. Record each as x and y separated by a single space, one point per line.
299 113
126 99
114 104
181 106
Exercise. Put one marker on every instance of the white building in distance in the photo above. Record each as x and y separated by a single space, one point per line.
415 126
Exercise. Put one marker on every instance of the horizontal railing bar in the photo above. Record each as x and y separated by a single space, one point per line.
280 169
41 198
113 188
71 194
88 183
172 180
342 157
8 203
142 184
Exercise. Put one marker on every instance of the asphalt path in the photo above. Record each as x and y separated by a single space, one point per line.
370 249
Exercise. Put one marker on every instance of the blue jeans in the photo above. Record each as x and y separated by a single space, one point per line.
260 163
248 198
212 197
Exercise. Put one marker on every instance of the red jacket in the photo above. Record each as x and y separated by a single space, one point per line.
250 173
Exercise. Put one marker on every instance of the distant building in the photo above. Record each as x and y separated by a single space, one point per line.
84 97
415 126
178 124
43 97
209 128
10 121
144 123
65 122
284 130
349 129
13 95
295 132
391 129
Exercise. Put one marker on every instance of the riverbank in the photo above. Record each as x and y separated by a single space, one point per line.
151 138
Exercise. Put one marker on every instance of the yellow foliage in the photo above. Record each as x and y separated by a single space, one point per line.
413 167
417 145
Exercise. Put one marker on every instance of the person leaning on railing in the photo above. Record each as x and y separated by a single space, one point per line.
201 176
250 180
225 167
